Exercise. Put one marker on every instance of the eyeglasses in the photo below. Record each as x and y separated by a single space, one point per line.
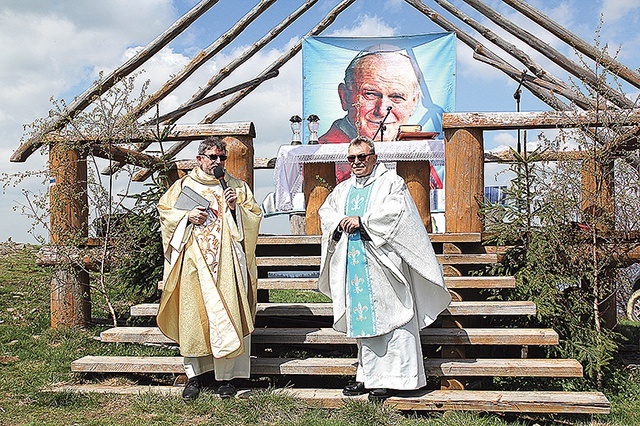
214 157
360 157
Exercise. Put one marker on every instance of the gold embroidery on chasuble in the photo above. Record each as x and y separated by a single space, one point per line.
209 236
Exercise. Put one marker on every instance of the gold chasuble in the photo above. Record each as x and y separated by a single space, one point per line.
208 303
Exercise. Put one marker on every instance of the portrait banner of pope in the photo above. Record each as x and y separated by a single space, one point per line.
355 84
352 83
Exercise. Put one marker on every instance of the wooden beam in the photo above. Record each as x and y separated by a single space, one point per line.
283 59
193 104
584 74
616 67
201 58
509 156
480 51
99 87
121 154
231 66
543 77
539 120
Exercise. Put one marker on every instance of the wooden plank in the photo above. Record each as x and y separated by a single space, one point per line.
288 261
287 283
451 282
135 335
455 308
458 237
480 282
468 400
280 240
449 259
479 367
420 400
325 309
328 336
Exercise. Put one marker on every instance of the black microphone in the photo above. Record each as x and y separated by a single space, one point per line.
218 172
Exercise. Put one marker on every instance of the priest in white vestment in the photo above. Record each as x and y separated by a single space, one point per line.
209 230
380 270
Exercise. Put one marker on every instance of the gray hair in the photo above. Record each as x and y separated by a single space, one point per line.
363 140
212 142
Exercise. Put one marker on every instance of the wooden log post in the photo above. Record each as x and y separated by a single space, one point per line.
464 183
70 296
319 179
597 193
240 161
464 179
417 176
598 205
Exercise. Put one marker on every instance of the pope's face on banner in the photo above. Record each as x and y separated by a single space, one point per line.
380 81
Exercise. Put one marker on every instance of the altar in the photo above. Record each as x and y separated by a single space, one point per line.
311 169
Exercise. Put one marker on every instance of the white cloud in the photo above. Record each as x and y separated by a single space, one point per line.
613 10
366 25
57 49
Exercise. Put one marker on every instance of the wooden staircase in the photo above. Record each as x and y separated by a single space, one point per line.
460 347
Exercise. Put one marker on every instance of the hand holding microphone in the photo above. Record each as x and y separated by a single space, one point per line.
229 194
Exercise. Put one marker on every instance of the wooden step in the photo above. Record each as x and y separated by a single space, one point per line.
458 237
328 336
325 309
479 282
445 259
420 400
477 367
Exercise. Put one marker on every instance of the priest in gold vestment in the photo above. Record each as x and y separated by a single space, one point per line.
208 302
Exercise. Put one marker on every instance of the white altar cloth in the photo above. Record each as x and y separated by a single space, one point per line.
287 174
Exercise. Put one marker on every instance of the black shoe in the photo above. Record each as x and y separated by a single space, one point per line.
227 390
192 389
354 389
379 395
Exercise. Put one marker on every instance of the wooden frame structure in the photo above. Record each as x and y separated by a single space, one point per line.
458 132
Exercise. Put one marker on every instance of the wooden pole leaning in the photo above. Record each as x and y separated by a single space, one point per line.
70 296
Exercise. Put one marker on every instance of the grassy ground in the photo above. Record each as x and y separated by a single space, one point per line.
34 357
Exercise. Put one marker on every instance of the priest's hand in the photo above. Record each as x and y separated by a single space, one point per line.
231 197
198 215
350 224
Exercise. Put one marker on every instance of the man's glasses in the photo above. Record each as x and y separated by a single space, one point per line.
360 157
214 157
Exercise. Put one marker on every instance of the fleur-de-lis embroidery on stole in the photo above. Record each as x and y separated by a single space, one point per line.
360 308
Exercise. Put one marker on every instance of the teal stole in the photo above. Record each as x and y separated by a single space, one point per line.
361 313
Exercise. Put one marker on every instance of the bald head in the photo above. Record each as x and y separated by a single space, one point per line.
375 81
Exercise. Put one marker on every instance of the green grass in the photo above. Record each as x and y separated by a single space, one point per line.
34 357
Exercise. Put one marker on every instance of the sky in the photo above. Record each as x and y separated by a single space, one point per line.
58 49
